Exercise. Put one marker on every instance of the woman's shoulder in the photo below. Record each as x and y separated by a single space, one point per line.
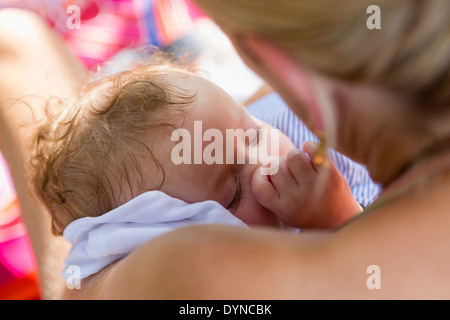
205 262
212 261
91 288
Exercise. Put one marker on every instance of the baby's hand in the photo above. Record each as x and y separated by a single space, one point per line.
303 195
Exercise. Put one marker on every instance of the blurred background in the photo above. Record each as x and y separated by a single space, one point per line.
109 38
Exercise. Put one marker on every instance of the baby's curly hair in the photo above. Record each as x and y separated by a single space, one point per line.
89 150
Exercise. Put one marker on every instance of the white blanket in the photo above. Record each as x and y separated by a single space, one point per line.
99 241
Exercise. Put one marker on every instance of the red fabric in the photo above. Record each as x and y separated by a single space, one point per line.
24 288
17 265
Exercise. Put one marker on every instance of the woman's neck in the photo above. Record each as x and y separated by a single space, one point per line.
402 157
392 133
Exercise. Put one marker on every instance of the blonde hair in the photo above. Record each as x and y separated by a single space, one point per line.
409 55
87 153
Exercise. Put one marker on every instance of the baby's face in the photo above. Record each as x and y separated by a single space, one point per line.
228 183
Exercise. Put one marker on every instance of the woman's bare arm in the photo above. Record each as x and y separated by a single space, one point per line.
35 65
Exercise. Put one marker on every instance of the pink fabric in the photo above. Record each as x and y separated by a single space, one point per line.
194 11
107 26
16 257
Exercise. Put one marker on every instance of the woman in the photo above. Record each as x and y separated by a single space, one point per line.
378 108
381 97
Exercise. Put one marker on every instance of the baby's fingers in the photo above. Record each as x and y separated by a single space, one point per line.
299 165
283 180
263 189
319 158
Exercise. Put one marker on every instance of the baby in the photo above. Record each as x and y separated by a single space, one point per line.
116 142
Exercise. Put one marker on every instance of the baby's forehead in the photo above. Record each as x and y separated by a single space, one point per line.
135 92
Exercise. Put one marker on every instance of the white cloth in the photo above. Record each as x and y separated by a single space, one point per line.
99 241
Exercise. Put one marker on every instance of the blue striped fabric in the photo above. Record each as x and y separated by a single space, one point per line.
272 110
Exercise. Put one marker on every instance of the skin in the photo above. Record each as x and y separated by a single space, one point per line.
38 66
31 69
291 190
410 247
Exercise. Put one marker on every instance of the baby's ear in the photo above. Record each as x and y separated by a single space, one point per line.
285 74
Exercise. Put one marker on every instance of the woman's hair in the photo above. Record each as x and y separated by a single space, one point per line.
410 54
88 151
